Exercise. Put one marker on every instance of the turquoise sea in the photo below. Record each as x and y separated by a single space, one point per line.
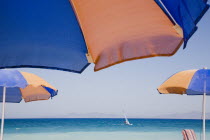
100 129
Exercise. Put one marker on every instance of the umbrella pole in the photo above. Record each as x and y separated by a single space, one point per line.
2 118
204 116
168 12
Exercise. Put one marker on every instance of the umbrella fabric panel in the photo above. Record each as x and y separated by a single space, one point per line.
199 83
12 78
177 83
13 95
37 89
34 93
36 81
187 13
41 33
120 30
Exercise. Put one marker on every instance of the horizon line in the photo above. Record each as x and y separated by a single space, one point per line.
110 118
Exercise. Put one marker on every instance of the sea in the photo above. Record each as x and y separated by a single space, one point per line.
101 129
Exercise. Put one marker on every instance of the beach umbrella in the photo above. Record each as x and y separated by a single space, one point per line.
190 82
70 34
16 85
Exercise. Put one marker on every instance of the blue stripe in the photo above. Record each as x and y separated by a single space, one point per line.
187 13
12 78
51 91
13 95
196 86
41 34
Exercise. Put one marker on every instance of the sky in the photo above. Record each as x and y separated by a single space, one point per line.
130 86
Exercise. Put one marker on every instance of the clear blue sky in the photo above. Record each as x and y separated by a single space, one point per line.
130 85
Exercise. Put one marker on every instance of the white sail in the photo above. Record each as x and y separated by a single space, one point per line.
126 120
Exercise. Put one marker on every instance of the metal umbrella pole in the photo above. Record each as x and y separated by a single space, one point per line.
204 111
3 109
204 116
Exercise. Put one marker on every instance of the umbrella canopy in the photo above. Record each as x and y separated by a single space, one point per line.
23 85
190 82
56 34
15 85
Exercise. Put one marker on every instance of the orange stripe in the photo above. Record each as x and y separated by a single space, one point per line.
177 83
120 30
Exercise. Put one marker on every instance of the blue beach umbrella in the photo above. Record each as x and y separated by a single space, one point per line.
190 82
16 85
